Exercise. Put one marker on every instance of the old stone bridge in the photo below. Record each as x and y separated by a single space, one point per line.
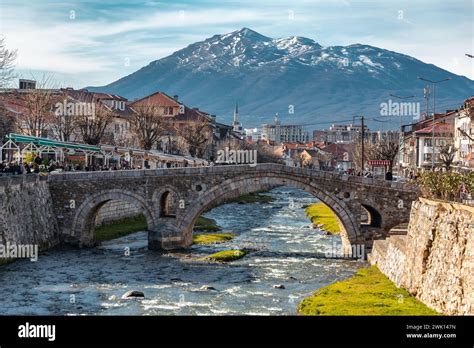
172 199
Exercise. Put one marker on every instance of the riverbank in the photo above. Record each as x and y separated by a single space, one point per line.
205 224
368 292
120 228
255 197
322 216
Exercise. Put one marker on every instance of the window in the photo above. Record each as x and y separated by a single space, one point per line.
168 110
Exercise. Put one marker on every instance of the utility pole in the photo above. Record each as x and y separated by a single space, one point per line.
363 148
362 139
426 94
400 134
434 116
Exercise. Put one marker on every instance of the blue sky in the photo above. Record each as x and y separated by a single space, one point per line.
89 42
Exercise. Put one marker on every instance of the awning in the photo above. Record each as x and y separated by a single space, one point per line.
20 138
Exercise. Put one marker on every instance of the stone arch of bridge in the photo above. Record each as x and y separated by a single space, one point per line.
83 224
384 217
236 187
374 216
166 201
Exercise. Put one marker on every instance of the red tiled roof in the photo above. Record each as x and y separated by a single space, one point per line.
192 115
158 98
440 128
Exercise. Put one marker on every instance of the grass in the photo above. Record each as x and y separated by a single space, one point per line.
120 228
226 256
368 292
212 238
321 214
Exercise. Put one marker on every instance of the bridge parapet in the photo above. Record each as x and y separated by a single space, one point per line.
226 169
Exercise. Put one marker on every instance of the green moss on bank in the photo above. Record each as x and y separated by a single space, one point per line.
212 238
255 197
321 214
205 224
226 256
120 228
368 292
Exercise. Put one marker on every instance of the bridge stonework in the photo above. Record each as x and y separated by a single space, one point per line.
77 197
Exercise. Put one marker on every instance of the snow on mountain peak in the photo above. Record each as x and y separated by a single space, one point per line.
247 49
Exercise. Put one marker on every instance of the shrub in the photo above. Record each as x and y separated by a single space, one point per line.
446 185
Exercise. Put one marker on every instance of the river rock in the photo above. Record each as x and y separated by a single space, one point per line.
133 294
207 288
279 286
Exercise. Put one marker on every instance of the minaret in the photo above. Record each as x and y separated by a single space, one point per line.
277 120
237 126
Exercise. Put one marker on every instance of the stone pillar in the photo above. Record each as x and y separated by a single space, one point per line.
166 236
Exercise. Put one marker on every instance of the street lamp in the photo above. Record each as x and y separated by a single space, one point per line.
434 115
400 134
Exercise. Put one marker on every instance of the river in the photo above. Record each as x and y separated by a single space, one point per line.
92 281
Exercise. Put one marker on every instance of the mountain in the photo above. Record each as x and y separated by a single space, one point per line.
266 76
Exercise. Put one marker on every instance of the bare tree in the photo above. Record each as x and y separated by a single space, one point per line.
446 155
64 122
93 128
122 140
267 154
301 159
386 150
7 62
7 122
148 124
38 108
369 153
196 136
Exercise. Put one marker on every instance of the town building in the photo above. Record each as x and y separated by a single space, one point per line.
416 142
464 136
341 156
253 135
278 133
340 133
71 103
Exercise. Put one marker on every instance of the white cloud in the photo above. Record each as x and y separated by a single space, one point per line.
76 46
47 40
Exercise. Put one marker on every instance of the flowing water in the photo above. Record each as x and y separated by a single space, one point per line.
286 251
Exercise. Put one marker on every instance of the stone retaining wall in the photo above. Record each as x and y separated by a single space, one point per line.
115 211
26 212
435 260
